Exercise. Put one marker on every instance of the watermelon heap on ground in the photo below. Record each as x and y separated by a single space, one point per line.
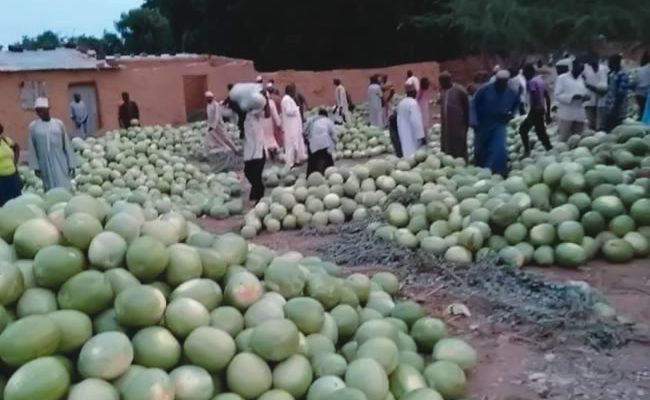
107 303
147 166
582 200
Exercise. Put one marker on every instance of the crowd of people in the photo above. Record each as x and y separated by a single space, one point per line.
585 92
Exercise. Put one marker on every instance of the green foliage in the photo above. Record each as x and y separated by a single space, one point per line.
306 34
539 25
47 40
145 30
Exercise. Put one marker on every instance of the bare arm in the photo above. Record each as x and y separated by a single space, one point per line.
16 149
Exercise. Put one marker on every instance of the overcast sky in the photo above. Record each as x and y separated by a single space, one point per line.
65 17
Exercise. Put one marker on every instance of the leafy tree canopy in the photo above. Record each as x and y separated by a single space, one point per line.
306 34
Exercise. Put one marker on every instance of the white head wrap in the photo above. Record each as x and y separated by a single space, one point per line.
503 74
42 102
209 94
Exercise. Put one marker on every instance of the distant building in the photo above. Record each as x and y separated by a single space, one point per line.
167 88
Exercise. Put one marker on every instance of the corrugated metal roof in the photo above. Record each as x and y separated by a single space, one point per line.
48 60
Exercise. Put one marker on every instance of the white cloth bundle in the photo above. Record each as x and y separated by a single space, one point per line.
248 96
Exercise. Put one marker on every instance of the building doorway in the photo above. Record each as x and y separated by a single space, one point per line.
88 93
195 87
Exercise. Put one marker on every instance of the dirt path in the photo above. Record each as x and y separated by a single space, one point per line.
515 367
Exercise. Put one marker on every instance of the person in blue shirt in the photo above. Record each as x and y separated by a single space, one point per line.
493 106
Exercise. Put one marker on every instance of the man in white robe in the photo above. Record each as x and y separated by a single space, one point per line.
216 140
294 145
571 94
409 123
49 150
375 103
79 116
341 98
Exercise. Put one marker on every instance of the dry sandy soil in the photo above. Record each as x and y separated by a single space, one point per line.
516 367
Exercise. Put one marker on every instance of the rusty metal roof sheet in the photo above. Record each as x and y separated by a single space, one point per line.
49 60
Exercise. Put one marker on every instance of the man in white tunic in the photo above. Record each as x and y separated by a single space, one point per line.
50 152
216 140
341 97
570 94
409 123
79 116
375 103
294 145
595 76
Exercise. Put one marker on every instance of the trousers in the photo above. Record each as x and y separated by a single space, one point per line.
535 118
253 172
319 161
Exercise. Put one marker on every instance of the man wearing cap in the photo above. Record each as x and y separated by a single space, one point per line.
49 149
492 108
216 139
410 127
454 117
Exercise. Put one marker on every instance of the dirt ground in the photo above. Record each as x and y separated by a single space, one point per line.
513 366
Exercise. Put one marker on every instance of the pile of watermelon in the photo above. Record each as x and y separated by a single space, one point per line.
585 199
104 302
149 166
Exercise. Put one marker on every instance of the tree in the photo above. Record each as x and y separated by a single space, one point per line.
522 26
47 40
108 44
145 30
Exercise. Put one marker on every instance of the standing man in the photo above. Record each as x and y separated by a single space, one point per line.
294 145
570 94
128 111
596 81
216 139
492 108
341 98
454 117
618 83
50 153
409 123
79 116
375 103
642 83
540 109
413 81
387 93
